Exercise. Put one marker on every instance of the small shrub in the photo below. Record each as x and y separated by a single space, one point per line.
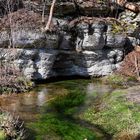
12 80
11 127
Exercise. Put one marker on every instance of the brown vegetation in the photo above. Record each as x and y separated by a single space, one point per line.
131 64
11 78
22 19
12 126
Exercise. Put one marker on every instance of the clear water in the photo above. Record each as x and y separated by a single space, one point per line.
63 101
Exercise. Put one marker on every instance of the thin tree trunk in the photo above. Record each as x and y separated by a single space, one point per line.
50 16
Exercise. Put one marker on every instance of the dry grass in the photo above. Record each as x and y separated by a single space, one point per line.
126 135
131 64
22 19
12 79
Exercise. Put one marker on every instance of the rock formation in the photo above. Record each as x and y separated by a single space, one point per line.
76 45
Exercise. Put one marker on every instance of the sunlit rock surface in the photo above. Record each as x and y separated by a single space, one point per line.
85 46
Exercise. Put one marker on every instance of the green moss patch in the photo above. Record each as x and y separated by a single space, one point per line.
57 128
117 116
118 80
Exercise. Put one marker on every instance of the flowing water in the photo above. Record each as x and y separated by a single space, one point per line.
51 110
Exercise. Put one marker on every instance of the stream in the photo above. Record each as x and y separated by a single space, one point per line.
51 110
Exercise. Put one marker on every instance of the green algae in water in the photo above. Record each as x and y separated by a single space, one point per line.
65 100
72 84
67 104
57 123
51 125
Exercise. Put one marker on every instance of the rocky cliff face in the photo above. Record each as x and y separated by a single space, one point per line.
85 46
43 63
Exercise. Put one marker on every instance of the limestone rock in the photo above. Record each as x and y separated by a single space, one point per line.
43 55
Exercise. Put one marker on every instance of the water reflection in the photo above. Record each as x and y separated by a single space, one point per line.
25 105
98 88
41 96
30 105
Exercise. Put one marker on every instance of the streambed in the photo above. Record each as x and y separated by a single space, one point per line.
51 110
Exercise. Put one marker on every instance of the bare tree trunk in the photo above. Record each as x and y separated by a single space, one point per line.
50 16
